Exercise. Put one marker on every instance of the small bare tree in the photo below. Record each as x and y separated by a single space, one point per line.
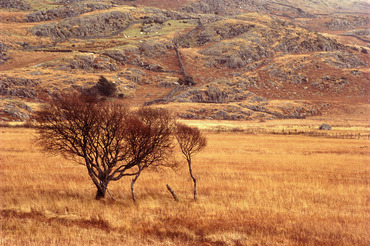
107 138
154 127
191 141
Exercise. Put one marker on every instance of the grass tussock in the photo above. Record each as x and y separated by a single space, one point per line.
253 189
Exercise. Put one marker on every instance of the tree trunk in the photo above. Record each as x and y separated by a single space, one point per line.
133 190
194 180
100 193
195 187
102 187
132 186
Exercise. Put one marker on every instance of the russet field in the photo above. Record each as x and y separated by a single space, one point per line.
258 189
257 77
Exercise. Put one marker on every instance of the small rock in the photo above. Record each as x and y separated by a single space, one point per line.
325 127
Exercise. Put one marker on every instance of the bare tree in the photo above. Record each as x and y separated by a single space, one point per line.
191 141
107 138
155 130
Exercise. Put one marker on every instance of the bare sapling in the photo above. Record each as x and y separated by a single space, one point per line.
153 134
191 142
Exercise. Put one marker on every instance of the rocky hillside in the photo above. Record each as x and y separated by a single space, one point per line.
233 59
66 11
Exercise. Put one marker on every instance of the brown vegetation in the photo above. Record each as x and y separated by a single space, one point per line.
230 54
266 177
254 189
109 139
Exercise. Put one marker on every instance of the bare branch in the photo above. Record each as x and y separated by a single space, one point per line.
111 140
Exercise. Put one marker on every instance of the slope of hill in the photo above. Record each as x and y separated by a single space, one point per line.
234 59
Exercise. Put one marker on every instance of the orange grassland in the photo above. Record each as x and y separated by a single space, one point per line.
253 190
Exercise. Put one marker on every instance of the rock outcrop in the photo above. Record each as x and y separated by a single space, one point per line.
91 26
19 87
3 55
133 74
324 126
331 83
217 92
347 22
252 111
237 43
70 10
224 7
15 110
215 32
342 59
14 4
86 62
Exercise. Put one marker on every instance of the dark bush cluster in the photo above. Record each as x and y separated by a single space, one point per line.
105 87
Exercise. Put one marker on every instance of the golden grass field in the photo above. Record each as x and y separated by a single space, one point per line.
253 190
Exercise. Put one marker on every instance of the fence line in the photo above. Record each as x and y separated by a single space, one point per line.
257 131
311 133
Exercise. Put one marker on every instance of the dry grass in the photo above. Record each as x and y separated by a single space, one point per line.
340 126
265 190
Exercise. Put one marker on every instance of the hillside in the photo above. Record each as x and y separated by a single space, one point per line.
233 59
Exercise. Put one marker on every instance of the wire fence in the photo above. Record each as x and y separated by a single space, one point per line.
311 133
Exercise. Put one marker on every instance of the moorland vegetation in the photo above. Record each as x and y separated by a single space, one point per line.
239 60
252 189
270 94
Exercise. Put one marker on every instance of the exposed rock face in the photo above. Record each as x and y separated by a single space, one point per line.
15 4
249 111
71 10
92 26
229 7
3 47
158 16
18 87
346 23
289 72
16 110
206 96
215 32
307 43
133 74
154 47
69 1
117 55
287 10
331 83
239 43
97 25
217 92
88 63
3 55
342 60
